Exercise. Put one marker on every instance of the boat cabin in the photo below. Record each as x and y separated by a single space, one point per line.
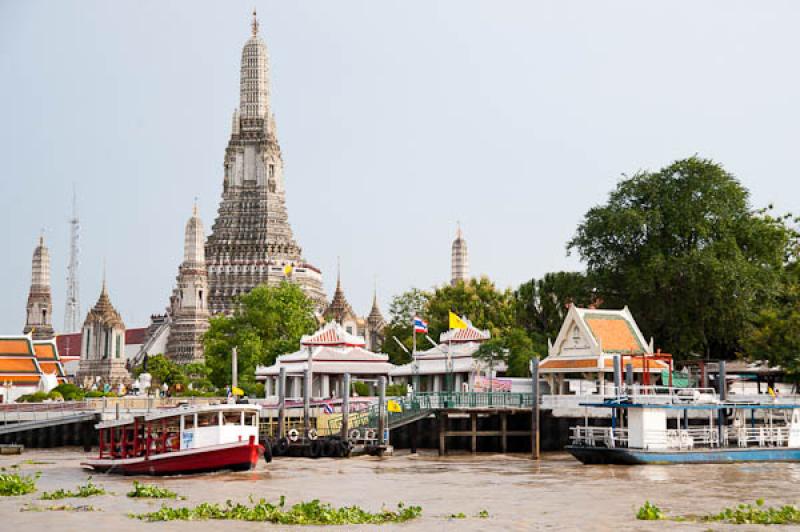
178 430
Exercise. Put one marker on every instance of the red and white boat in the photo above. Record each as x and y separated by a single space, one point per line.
180 441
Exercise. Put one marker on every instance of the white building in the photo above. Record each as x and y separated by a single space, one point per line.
429 370
331 352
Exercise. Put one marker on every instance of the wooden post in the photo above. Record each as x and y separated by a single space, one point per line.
723 396
503 432
345 405
442 429
281 402
235 368
474 419
306 400
382 439
535 408
413 436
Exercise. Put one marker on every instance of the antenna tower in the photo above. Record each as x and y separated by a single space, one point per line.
73 309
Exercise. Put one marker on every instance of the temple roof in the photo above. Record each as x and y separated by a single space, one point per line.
339 309
375 317
470 334
18 363
104 312
47 354
332 334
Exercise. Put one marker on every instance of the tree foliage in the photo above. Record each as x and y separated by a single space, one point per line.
268 321
685 251
402 310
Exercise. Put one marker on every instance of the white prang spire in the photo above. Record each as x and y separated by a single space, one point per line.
39 320
459 261
194 253
254 87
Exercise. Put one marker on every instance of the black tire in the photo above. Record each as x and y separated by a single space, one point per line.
283 447
267 452
330 448
345 447
315 448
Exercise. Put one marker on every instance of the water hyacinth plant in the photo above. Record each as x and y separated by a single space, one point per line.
87 490
303 513
151 491
650 512
13 484
748 514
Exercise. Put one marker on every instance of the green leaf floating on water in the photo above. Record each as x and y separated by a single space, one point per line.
151 491
303 513
650 512
87 490
742 514
13 484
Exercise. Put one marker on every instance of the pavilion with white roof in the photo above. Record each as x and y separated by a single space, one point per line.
331 352
454 354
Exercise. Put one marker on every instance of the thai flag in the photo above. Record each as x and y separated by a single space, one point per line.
327 408
420 325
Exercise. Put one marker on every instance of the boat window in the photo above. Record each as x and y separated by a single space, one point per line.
232 418
188 422
250 419
208 419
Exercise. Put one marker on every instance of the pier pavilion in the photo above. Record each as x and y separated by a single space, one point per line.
454 356
581 360
329 353
27 367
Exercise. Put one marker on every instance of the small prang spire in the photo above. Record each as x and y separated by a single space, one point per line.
254 24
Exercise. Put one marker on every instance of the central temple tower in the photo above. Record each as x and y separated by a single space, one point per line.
251 242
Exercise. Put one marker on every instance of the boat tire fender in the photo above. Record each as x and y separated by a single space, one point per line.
268 453
315 448
282 446
344 448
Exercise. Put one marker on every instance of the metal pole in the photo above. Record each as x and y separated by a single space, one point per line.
381 409
722 397
306 400
629 376
535 408
235 368
617 375
346 405
281 402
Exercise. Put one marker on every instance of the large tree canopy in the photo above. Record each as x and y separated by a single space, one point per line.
685 251
268 321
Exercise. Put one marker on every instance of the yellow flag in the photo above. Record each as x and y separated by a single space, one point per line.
393 406
771 392
456 322
288 270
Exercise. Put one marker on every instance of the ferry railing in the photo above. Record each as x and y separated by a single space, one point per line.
608 437
18 412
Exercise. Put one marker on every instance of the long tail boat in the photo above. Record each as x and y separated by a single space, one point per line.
180 441
672 430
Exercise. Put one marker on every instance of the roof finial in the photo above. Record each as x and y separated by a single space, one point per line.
194 208
41 237
103 290
458 230
338 272
254 24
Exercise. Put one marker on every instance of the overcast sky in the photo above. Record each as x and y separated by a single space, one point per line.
396 119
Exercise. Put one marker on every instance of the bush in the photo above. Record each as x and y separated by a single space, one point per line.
361 388
36 397
98 393
69 392
396 390
55 396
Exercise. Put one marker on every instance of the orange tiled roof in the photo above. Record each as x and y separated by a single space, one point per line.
614 333
14 346
20 379
44 351
18 365
566 363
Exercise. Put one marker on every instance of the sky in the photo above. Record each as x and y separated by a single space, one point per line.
397 119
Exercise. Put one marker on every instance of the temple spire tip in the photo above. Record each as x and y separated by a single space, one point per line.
254 24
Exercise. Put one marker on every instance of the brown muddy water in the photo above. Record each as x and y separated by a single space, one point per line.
556 493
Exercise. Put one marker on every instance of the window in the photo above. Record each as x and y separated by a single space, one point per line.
232 418
272 170
200 298
207 419
44 316
119 345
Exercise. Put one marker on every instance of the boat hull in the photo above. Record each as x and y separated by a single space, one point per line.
240 456
600 455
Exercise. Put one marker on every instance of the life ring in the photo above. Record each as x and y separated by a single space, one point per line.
369 434
355 434
312 434
293 434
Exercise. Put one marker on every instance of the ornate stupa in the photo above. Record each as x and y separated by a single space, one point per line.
251 241
102 345
189 302
459 261
39 319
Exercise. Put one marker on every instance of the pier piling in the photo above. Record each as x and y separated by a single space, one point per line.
535 408
306 400
381 410
345 405
282 402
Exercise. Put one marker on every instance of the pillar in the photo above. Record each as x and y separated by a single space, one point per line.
326 385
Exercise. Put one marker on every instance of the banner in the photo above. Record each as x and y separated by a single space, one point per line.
484 384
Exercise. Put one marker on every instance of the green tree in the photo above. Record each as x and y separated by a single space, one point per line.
268 321
521 350
478 300
163 371
491 353
685 251
401 313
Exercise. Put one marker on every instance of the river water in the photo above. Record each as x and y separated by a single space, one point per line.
556 493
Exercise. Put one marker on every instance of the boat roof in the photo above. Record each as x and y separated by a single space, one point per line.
696 406
180 411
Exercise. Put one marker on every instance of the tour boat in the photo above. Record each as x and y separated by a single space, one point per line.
661 433
180 441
